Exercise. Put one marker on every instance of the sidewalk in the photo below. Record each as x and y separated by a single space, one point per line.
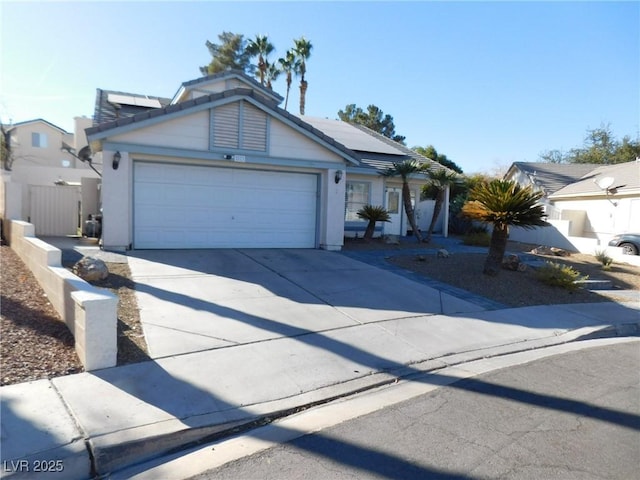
94 423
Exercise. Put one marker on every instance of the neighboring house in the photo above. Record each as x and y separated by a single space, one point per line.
606 201
223 166
546 177
45 178
586 204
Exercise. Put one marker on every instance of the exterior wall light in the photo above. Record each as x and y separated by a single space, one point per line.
116 160
338 176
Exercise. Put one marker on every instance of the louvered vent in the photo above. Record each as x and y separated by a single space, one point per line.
228 133
226 122
254 129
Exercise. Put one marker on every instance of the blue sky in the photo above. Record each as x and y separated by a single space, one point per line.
486 83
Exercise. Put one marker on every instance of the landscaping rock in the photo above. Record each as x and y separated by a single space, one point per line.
558 252
442 253
513 262
91 269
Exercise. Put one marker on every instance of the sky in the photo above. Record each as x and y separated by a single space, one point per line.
486 83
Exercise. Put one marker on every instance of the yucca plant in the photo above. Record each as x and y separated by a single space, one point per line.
373 214
604 259
503 203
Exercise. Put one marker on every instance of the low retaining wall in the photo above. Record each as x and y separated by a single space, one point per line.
89 312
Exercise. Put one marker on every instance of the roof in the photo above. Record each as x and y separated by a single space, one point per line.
551 177
101 130
375 151
624 179
352 137
237 74
107 108
36 120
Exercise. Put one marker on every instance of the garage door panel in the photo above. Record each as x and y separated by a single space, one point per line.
208 207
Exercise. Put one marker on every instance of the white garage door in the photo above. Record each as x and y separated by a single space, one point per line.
179 206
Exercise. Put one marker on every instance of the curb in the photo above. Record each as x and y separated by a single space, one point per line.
114 457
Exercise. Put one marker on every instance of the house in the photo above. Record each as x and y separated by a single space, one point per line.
606 201
43 184
221 165
546 177
586 204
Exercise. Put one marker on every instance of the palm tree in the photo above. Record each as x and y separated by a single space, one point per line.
302 50
272 73
439 180
287 66
404 170
503 203
260 47
373 214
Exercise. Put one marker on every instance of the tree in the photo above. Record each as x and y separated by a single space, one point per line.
430 152
600 147
373 214
287 66
440 180
503 203
404 170
302 50
272 73
5 148
231 53
373 118
260 47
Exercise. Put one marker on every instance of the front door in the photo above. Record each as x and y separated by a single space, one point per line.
393 200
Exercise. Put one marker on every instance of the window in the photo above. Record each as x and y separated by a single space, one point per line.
38 140
356 197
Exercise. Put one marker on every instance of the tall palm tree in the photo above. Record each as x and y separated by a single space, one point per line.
287 66
260 47
503 203
302 51
404 170
272 73
439 180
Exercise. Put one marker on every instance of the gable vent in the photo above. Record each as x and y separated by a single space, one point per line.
226 123
254 128
239 125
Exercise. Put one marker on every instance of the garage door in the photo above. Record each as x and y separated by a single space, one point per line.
205 207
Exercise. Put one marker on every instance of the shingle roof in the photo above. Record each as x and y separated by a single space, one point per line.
213 97
105 111
551 177
625 178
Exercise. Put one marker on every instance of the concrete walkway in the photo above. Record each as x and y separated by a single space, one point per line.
238 336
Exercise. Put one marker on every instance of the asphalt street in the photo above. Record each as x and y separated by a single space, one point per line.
569 416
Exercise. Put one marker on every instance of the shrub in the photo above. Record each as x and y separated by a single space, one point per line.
604 259
559 275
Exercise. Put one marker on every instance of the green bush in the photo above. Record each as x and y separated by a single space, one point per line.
604 259
478 239
559 275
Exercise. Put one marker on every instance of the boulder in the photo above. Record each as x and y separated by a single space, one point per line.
91 269
558 252
513 262
442 253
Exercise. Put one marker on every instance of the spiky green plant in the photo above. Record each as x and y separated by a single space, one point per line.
503 203
559 275
373 214
604 259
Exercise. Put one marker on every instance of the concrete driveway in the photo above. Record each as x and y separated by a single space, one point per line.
193 300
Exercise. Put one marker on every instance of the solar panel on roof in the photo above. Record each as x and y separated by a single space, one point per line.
134 100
